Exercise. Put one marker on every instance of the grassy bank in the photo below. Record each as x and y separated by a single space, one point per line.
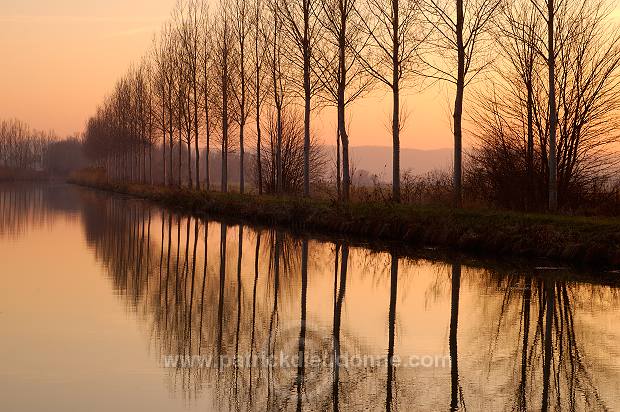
593 241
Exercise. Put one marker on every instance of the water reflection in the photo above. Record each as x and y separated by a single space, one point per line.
357 329
456 392
24 205
553 372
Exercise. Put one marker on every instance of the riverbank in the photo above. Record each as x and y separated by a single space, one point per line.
578 240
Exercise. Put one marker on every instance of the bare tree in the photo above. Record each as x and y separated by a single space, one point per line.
302 27
224 58
150 109
395 34
291 129
518 36
184 117
277 66
549 11
341 75
189 32
159 86
206 61
513 126
459 27
260 93
242 32
164 54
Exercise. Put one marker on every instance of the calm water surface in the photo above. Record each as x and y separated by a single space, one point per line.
114 304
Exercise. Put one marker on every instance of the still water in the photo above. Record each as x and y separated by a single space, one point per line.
109 303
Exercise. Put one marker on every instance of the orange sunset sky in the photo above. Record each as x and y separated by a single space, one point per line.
61 57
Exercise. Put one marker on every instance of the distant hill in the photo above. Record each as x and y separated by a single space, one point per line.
377 160
366 161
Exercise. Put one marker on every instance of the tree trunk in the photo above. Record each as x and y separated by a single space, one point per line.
224 184
241 160
189 160
307 97
257 85
531 195
164 176
279 183
259 165
553 166
144 163
208 145
338 180
458 108
151 164
242 122
346 179
395 105
180 154
171 137
196 148
144 158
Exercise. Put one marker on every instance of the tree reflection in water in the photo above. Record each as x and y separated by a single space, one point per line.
517 339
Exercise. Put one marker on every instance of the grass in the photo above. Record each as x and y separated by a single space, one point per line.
574 239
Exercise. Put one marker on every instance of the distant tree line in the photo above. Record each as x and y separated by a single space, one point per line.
26 149
245 76
22 147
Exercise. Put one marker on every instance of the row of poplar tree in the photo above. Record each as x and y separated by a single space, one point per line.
222 74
